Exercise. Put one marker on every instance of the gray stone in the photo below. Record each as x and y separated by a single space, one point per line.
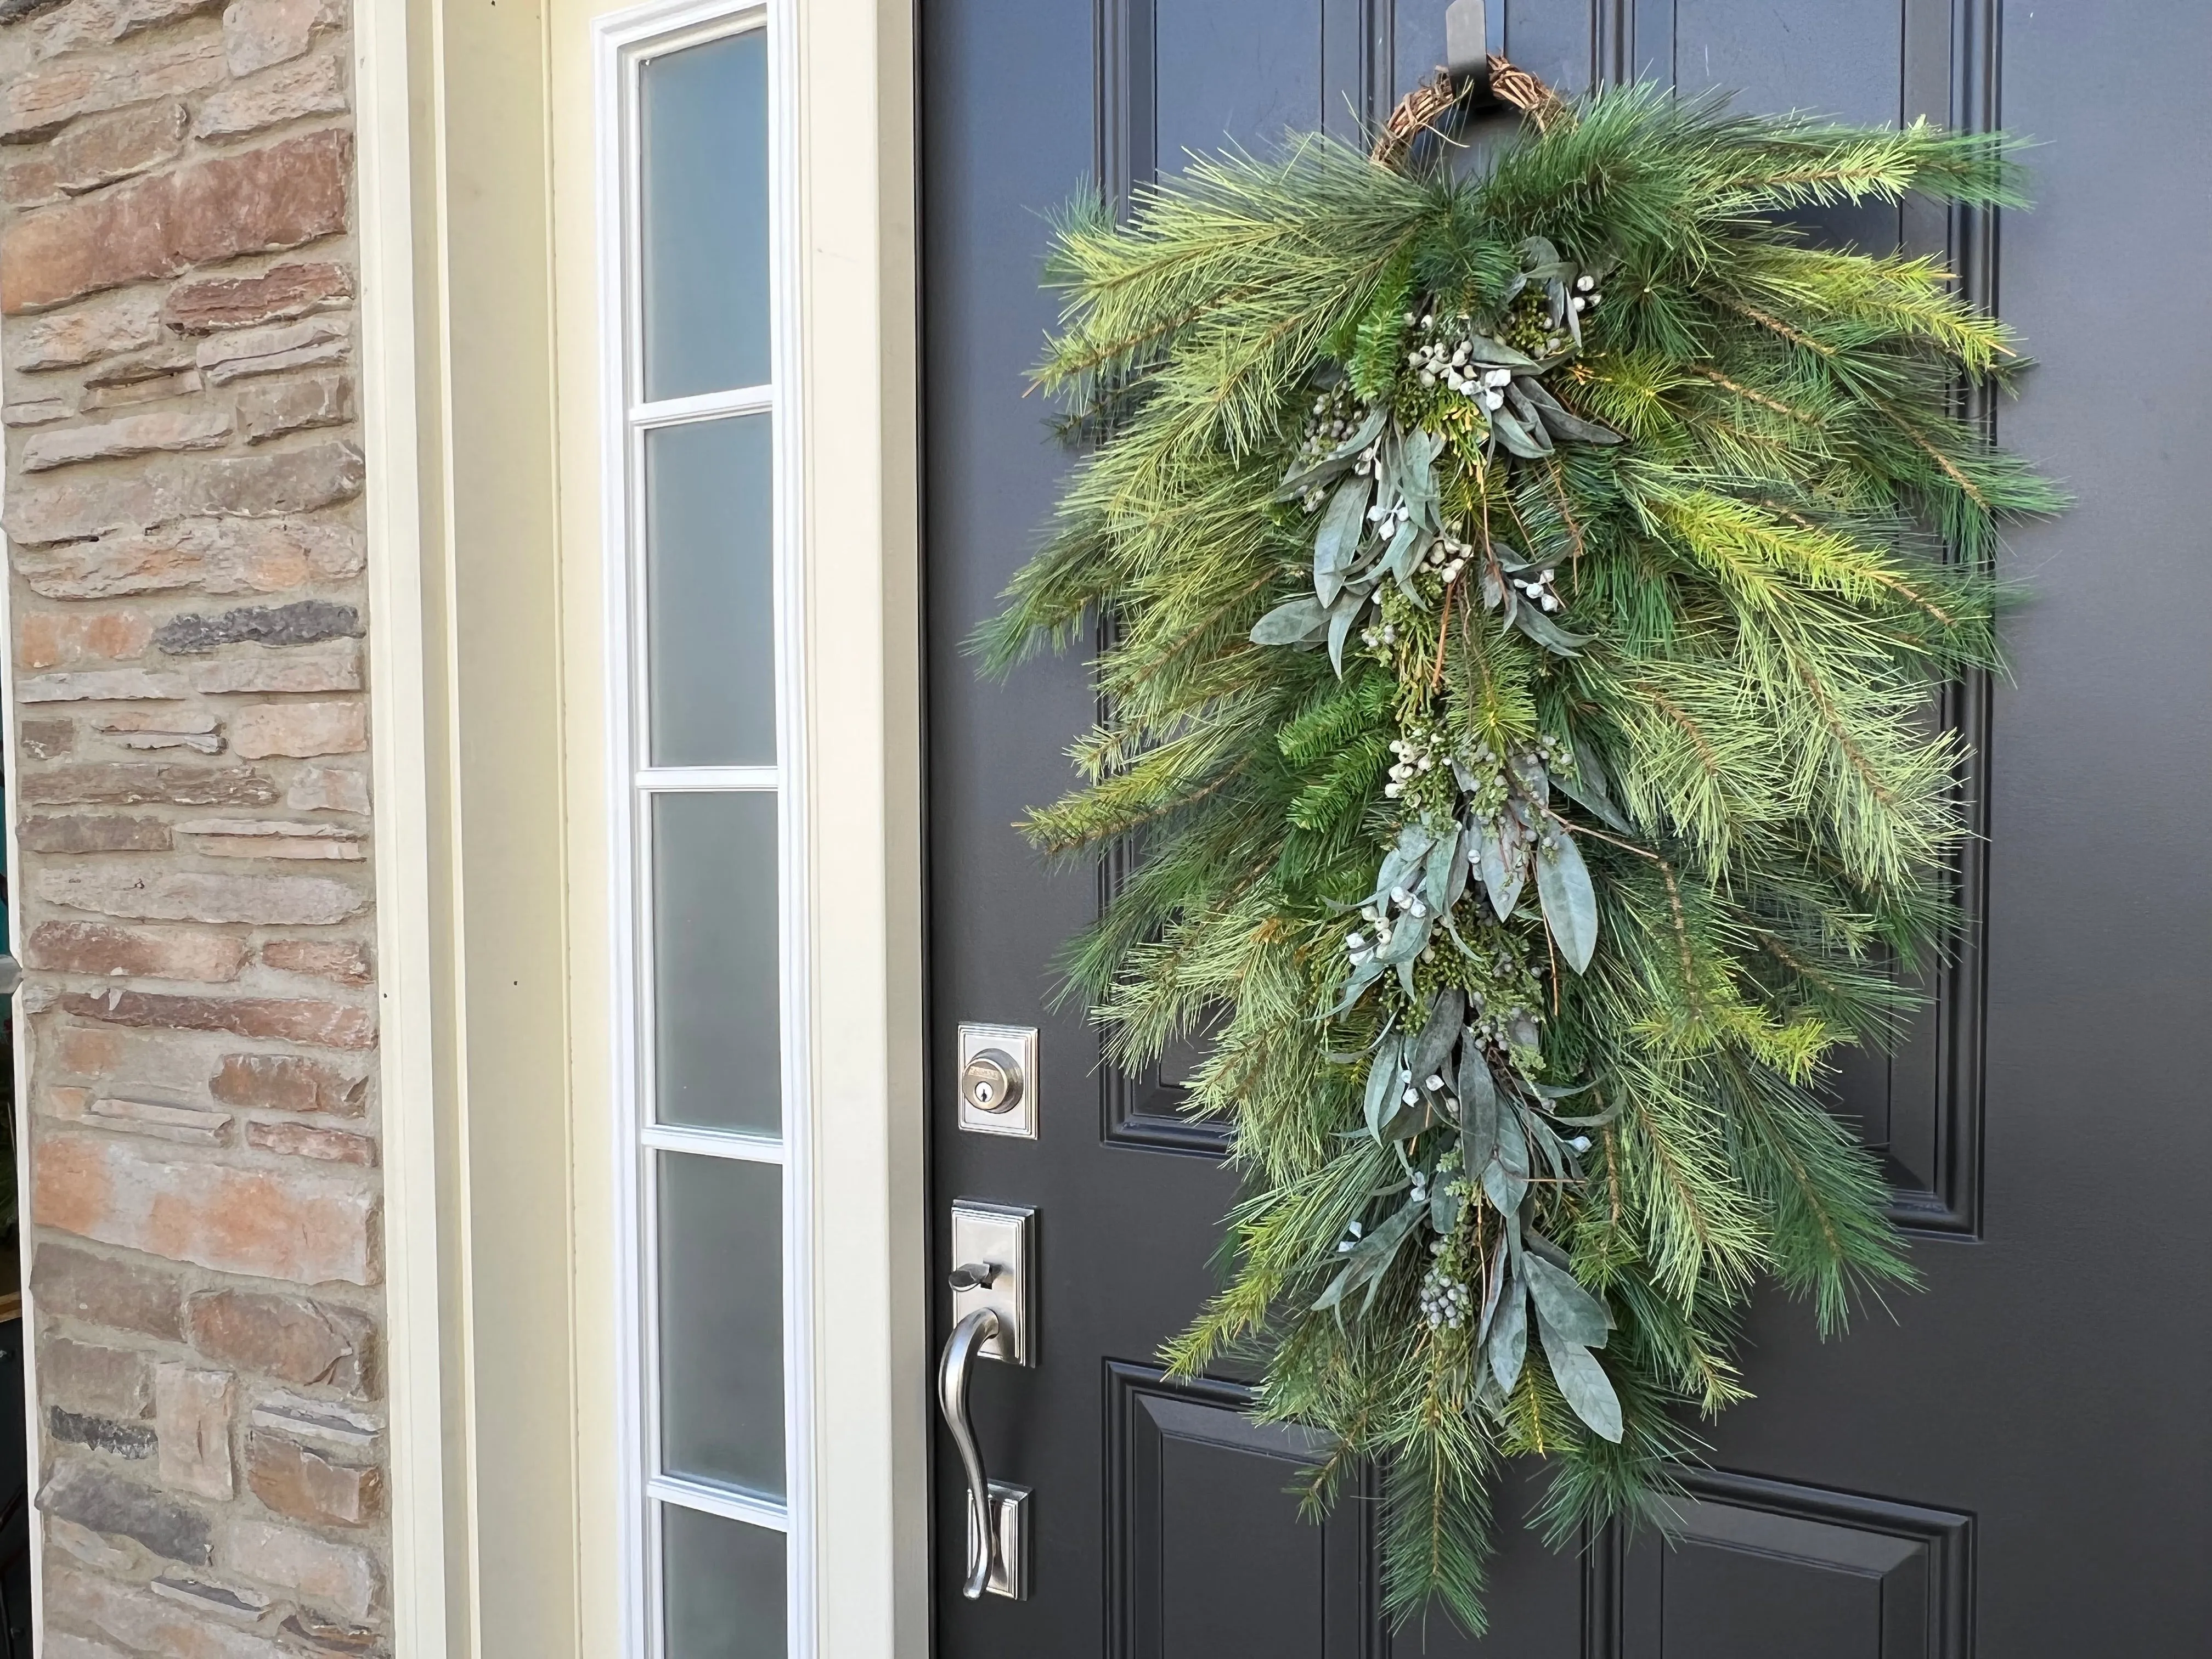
76 833
133 1440
195 896
301 623
127 783
107 1503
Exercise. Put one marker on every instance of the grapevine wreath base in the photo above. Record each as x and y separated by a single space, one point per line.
1523 592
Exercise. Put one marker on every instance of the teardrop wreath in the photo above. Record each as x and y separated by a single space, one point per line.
1523 594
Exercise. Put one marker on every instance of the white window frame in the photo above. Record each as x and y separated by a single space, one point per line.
620 43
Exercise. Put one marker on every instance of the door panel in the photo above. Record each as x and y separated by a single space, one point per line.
2009 1462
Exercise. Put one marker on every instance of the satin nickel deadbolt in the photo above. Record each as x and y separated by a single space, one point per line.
998 1080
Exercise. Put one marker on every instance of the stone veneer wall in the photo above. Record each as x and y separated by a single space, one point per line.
184 524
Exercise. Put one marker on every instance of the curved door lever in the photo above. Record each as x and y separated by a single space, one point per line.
956 1365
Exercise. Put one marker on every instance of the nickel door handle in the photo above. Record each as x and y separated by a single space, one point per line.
956 1365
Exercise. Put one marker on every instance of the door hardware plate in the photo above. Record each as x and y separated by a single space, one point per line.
1017 1043
1010 1562
1005 1235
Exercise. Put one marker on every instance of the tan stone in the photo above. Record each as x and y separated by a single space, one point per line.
262 730
145 1623
307 1343
69 1283
83 1544
188 428
253 838
263 486
313 86
301 1225
306 1486
321 1024
192 1426
101 22
127 783
238 1604
101 685
310 1140
161 728
33 179
332 666
289 1083
197 895
277 294
36 411
215 556
93 947
55 639
246 351
89 1376
258 33
40 100
338 1577
88 834
106 147
346 961
188 1126
328 789
45 740
99 328
270 411
123 1061
278 197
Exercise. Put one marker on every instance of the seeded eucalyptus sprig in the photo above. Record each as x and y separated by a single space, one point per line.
1527 593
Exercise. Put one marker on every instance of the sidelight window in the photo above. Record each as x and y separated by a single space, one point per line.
709 1088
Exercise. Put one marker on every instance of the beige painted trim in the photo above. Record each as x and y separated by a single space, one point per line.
404 651
480 317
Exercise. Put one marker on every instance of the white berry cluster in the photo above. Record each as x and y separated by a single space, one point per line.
1380 637
1416 754
1335 416
1539 589
1442 361
1446 1303
1448 557
1402 902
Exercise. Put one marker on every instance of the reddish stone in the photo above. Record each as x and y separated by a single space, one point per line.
288 1083
301 1225
92 947
95 834
69 1283
308 1344
346 961
307 1487
307 1140
277 294
326 1025
276 197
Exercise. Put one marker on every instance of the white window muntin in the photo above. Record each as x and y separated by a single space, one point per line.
623 44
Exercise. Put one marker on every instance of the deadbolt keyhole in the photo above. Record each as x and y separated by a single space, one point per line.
992 1081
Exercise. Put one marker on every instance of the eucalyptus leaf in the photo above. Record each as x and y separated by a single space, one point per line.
1459 869
1562 421
1436 877
1508 1347
1530 417
1563 1305
1494 353
1583 1383
1514 436
1577 786
1294 621
1447 1014
1341 616
1531 619
1342 524
1382 1083
1563 883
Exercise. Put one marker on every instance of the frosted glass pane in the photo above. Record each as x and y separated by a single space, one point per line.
721 1321
725 1587
710 593
716 1042
705 118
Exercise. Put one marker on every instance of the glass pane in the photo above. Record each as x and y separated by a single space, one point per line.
721 1321
710 593
705 116
717 1046
725 1587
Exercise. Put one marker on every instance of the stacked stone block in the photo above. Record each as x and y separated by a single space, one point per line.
184 527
